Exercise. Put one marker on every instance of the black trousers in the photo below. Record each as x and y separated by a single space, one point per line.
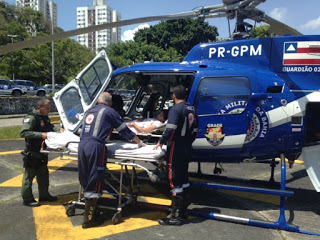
178 157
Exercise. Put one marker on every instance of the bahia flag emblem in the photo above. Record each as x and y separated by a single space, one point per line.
301 53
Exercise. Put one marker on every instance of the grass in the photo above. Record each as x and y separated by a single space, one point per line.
10 133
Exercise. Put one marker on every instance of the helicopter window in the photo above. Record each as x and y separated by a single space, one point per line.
296 120
71 104
225 95
150 101
92 80
274 89
126 86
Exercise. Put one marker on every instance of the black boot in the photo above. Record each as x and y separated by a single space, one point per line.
173 218
186 201
89 214
48 198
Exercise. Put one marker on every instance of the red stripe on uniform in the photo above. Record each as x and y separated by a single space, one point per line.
172 135
98 186
301 62
170 166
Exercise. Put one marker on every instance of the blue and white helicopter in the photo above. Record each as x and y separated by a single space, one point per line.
256 99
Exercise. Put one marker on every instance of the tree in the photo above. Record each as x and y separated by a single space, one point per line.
130 52
261 31
70 58
35 63
165 42
33 21
181 35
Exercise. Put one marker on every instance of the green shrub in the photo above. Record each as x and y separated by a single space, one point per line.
10 132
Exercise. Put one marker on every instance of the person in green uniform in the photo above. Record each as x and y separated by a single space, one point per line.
34 129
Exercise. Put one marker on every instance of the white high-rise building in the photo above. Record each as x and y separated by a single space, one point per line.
98 14
53 11
47 8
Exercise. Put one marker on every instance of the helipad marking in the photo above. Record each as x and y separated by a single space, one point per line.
52 223
152 200
295 161
53 165
58 225
10 152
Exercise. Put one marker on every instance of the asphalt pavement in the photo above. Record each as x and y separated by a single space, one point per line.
49 221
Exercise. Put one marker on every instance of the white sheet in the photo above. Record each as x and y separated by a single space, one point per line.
146 123
120 149
59 141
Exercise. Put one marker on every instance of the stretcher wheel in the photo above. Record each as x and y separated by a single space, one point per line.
116 218
134 201
154 178
71 210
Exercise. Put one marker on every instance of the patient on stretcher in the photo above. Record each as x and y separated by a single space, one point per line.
148 124
68 141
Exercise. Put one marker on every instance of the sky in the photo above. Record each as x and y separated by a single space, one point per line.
301 15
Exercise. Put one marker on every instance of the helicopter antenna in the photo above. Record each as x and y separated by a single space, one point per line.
229 27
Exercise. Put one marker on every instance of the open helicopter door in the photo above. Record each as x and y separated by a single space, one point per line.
225 108
310 157
82 93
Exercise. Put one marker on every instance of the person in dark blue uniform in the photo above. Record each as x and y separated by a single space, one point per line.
97 126
181 131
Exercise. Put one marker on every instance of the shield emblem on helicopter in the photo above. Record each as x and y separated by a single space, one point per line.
214 135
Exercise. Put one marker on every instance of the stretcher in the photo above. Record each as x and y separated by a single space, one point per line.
124 188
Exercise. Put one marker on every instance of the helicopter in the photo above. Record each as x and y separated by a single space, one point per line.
255 98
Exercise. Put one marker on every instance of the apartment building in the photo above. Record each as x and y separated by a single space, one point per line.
98 14
48 9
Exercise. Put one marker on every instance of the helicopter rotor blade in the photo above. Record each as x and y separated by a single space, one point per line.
59 36
280 28
230 9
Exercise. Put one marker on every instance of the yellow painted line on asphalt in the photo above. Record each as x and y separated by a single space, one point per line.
295 161
13 182
10 152
144 199
299 161
52 223
53 165
57 163
153 200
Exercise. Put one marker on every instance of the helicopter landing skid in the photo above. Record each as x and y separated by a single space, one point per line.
281 224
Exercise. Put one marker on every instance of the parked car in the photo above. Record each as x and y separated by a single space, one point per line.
10 88
48 87
32 87
126 93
